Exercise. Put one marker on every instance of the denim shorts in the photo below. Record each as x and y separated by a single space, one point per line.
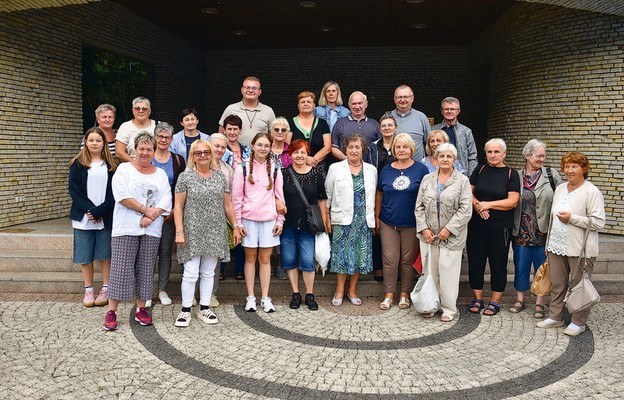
90 245
297 248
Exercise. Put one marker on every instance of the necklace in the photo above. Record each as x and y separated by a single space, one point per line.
355 165
251 120
403 169
572 187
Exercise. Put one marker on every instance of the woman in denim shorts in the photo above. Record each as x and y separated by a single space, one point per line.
90 175
297 240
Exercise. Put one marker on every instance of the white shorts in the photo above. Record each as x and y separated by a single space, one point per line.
259 234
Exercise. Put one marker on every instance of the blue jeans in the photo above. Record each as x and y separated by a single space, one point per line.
297 245
523 257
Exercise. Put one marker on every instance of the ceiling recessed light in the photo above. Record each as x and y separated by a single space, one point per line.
209 10
419 26
239 33
307 4
415 1
326 29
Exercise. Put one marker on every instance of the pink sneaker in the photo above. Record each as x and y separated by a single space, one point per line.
102 298
143 317
110 321
89 300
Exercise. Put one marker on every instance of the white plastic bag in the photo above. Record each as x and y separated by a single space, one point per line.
322 250
425 297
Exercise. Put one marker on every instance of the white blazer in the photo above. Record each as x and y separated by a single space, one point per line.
339 188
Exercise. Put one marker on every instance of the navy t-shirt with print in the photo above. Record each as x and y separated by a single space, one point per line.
400 189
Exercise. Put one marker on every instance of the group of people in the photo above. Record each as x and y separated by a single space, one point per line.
388 191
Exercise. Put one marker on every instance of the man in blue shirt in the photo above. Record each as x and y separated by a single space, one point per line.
459 135
357 122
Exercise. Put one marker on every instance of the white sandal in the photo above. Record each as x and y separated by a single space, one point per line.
404 302
386 303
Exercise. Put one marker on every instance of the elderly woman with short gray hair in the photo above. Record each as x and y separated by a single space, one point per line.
124 141
531 216
142 197
495 189
173 164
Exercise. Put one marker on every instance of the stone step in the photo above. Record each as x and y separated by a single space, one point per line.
71 283
59 260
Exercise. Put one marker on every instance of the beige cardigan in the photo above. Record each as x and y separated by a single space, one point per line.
587 211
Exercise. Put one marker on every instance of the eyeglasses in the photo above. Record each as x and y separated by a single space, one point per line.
161 137
539 156
204 153
251 88
450 109
140 108
404 97
280 130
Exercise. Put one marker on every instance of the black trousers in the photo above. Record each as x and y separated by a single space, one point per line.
487 244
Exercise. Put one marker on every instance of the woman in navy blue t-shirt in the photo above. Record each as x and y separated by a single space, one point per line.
397 188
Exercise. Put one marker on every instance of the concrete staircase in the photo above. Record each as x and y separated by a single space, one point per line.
37 258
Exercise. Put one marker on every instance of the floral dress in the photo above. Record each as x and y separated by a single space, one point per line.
352 244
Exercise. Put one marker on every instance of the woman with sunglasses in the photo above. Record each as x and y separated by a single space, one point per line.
202 204
280 130
124 141
312 129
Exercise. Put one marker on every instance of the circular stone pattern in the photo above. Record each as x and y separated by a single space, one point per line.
398 354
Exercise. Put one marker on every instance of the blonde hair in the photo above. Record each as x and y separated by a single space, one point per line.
191 164
268 160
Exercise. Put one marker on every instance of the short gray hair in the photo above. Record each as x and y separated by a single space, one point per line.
141 99
360 93
105 107
449 100
217 136
144 137
444 147
531 145
163 126
498 141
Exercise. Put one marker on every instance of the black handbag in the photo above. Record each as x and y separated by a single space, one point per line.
313 211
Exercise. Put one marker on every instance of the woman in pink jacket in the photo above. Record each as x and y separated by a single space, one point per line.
256 186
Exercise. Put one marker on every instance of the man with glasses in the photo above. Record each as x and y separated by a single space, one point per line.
256 116
459 135
409 120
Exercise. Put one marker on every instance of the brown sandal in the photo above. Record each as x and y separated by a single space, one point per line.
539 311
517 307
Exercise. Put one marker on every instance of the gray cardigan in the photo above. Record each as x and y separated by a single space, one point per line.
543 200
466 147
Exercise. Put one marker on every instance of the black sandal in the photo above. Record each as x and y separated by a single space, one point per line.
476 306
492 309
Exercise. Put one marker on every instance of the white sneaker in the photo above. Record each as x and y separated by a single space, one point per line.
164 298
250 305
184 319
574 330
148 303
267 304
207 316
214 303
550 323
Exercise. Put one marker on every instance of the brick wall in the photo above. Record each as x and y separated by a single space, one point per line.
557 74
433 73
40 94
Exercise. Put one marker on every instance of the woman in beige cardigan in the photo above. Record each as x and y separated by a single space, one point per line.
443 209
577 206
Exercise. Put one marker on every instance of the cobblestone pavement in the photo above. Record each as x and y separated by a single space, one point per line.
58 350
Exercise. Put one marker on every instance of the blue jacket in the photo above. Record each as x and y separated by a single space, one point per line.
178 143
